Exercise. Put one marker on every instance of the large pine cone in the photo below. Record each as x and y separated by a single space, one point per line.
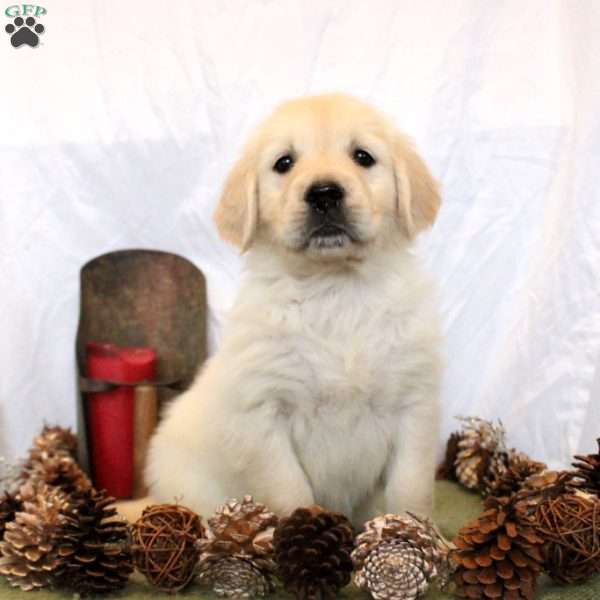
498 555
30 557
481 443
587 469
312 550
506 477
9 505
95 545
397 556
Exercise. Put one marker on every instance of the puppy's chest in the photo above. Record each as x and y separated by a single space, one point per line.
344 358
343 420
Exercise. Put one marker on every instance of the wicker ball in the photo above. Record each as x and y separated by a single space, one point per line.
570 524
164 545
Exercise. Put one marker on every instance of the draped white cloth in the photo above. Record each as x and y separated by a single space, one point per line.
118 129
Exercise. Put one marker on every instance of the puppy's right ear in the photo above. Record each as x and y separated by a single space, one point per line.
236 214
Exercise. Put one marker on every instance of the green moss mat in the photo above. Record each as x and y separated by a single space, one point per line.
454 507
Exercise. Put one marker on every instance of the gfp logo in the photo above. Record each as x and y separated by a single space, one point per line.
24 29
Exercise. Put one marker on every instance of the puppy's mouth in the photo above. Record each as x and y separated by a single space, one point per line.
330 235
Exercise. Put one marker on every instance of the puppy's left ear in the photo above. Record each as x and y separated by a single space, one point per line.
236 214
417 192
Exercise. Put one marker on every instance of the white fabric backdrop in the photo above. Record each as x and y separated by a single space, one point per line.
117 132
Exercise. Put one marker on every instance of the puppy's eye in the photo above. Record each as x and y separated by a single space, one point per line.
363 158
283 164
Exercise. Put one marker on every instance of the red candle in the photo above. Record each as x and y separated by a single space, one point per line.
110 414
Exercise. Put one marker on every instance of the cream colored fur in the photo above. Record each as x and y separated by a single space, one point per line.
325 387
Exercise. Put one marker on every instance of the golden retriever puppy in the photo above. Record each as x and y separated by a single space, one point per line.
325 387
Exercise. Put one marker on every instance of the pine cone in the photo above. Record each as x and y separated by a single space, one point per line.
479 444
498 555
50 442
30 557
396 570
587 469
397 556
239 538
447 469
242 529
542 487
59 470
505 477
95 545
235 577
312 550
53 439
9 505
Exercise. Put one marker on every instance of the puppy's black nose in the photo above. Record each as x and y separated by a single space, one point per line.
324 196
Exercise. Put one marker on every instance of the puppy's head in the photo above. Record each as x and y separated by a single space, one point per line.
327 177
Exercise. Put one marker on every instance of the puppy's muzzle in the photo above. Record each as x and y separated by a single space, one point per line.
327 224
325 198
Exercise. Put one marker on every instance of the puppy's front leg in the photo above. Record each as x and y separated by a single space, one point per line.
269 469
411 474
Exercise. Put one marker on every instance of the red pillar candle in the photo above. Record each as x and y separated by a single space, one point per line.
110 414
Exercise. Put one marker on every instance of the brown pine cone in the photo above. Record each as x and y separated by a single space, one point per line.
312 550
242 529
480 443
447 469
54 439
59 470
506 477
587 469
238 531
9 505
94 545
235 577
541 487
398 556
498 555
51 460
29 553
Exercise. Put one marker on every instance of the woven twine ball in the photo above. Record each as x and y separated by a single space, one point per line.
164 545
570 524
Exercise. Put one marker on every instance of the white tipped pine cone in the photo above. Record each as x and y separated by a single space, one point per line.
398 556
395 570
236 556
480 445
234 577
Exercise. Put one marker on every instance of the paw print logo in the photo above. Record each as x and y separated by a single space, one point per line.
24 32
